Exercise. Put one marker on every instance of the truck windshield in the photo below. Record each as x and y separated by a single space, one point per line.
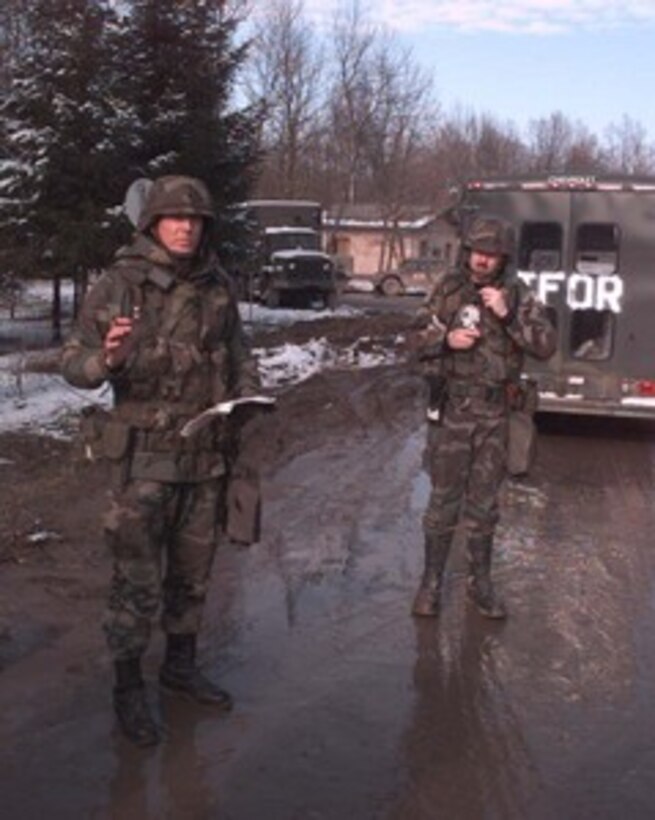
292 240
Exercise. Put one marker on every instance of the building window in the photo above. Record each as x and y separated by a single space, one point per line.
540 246
597 248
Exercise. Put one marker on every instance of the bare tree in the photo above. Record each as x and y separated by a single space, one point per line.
351 99
558 145
499 149
470 145
627 148
285 77
380 112
401 114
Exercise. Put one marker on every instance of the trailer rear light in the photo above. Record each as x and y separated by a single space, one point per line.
638 387
488 185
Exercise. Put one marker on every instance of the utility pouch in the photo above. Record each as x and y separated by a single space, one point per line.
523 398
93 421
243 506
116 438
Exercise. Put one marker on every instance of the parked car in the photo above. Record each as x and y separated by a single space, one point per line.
416 275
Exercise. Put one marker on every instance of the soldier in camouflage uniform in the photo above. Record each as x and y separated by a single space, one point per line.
476 327
162 327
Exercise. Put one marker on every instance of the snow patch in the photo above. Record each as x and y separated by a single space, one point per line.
290 364
280 317
42 403
45 404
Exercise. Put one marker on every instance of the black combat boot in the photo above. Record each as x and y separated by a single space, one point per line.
426 601
480 587
131 706
180 675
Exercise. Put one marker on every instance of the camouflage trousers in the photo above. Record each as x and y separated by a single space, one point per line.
162 538
466 458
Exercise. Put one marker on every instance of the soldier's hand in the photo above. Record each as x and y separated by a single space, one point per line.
463 338
116 344
495 300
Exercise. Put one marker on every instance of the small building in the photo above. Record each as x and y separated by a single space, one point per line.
369 243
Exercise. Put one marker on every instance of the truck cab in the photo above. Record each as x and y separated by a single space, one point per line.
288 265
586 247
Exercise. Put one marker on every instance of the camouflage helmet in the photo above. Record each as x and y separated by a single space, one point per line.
489 234
175 196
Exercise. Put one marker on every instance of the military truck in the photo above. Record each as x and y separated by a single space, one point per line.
286 265
586 245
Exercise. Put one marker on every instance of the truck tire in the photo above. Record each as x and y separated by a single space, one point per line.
392 286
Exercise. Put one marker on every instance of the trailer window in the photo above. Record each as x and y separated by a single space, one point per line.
597 248
592 333
540 247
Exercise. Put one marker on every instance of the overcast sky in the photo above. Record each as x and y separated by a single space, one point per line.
522 59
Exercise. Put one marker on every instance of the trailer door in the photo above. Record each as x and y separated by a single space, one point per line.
542 220
620 227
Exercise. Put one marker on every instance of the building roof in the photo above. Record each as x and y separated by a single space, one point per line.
372 217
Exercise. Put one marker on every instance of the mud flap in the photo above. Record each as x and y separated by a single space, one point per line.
243 507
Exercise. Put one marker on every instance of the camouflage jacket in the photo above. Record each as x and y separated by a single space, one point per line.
187 352
497 357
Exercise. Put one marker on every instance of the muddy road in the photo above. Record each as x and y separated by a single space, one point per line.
346 707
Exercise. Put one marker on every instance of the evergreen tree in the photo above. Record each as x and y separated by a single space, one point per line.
96 101
181 64
57 153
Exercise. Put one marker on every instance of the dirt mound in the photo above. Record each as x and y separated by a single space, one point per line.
341 331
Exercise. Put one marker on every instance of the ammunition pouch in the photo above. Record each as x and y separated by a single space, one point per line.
92 422
116 440
102 436
523 398
106 439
